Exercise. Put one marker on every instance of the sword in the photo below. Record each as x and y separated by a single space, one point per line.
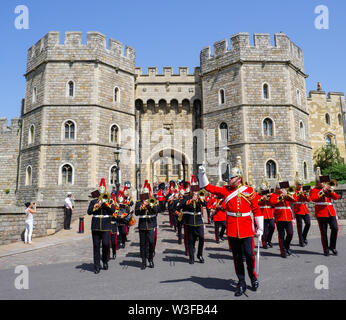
258 254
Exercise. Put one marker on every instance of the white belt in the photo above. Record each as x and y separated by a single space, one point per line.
265 207
281 208
147 217
238 214
113 222
192 213
323 203
101 216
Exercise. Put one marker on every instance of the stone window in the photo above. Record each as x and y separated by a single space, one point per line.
339 119
28 176
31 138
70 89
299 100
222 96
302 130
69 130
268 127
327 117
163 168
116 95
176 170
66 174
114 134
223 132
265 92
34 95
271 169
329 139
305 167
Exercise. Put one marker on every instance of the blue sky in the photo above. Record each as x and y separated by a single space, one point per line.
172 33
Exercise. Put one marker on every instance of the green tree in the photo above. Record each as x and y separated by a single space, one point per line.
337 172
327 156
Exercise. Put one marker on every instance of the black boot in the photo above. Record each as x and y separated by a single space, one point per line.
335 252
241 288
254 284
105 266
96 269
200 258
144 265
191 261
151 264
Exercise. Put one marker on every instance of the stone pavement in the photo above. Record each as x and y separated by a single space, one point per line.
61 268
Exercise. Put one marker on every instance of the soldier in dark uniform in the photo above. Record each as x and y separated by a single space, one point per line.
124 210
147 209
101 209
189 209
114 227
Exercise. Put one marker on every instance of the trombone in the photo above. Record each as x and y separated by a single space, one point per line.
202 194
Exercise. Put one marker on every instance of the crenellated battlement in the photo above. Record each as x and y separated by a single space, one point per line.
241 50
167 72
72 49
12 128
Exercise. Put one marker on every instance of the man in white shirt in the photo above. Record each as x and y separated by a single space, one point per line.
68 211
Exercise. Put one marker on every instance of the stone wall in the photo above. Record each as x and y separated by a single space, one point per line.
48 220
9 151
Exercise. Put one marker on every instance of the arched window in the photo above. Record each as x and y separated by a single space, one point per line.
66 174
327 118
69 130
339 119
34 95
221 96
267 127
271 169
329 140
28 176
70 87
163 168
265 91
113 175
305 171
223 131
114 134
116 96
302 130
31 138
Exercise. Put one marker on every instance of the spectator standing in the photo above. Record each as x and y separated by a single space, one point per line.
68 211
29 221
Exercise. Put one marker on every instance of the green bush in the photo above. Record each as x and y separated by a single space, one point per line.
337 172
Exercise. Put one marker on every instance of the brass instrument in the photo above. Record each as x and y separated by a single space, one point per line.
331 185
180 215
152 202
291 190
104 197
202 194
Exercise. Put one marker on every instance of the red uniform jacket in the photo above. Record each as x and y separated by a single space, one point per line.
325 209
161 196
220 214
244 202
282 209
266 207
300 207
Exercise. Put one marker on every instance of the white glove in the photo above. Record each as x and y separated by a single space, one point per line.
259 223
202 177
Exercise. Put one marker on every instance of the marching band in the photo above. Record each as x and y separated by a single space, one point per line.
238 211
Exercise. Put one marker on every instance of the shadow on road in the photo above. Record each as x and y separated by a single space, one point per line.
175 259
174 251
220 256
216 249
208 283
86 267
131 263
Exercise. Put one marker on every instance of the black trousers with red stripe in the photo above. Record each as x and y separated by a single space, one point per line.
285 234
114 241
99 237
122 233
303 233
239 247
147 244
269 227
194 233
333 225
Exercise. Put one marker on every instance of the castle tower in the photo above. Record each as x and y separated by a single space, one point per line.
254 100
79 105
168 113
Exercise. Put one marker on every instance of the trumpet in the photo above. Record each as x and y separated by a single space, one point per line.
202 194
291 190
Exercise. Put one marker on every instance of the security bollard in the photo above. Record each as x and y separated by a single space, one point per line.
81 225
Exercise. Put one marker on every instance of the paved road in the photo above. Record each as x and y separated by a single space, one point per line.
65 271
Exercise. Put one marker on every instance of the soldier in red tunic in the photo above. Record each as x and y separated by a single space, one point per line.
240 200
325 213
218 214
267 211
301 211
280 200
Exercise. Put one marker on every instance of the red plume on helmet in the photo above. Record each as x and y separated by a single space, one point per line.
102 185
194 185
121 197
126 191
146 191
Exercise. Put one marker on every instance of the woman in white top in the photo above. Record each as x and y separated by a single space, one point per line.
29 221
